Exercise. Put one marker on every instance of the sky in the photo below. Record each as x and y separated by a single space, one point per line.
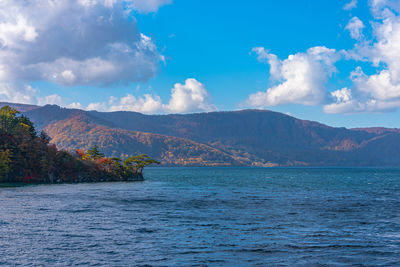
336 62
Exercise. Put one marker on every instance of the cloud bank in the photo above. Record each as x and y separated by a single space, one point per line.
191 96
379 92
74 42
302 77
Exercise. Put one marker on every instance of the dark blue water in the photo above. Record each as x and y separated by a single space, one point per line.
210 217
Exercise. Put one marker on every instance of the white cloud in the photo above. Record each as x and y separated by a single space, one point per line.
301 77
379 86
145 104
384 8
68 77
17 93
51 100
381 91
189 97
345 103
76 105
350 5
96 106
375 93
387 48
12 33
147 6
192 96
355 27
72 42
75 42
273 61
26 94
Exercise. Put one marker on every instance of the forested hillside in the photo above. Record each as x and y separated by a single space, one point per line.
242 138
27 157
81 132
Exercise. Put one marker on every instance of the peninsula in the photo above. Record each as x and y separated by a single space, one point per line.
28 157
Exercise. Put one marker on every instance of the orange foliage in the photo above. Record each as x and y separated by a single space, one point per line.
80 153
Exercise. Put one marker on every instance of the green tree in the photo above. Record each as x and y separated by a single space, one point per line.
8 119
44 137
5 164
28 157
94 153
137 163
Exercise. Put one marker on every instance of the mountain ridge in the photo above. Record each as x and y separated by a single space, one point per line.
80 132
228 138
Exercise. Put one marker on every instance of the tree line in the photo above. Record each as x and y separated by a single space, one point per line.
28 157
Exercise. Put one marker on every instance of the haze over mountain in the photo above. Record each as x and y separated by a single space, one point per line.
237 138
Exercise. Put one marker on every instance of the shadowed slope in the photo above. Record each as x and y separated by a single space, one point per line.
250 137
79 131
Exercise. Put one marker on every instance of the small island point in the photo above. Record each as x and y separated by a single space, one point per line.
28 157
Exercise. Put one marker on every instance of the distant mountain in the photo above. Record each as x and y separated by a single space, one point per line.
378 130
82 131
243 138
20 107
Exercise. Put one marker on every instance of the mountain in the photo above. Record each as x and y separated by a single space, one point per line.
243 138
81 131
378 130
20 107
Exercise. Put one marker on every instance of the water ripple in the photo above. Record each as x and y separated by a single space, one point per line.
208 217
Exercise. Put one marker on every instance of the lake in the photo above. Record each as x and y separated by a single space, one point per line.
208 217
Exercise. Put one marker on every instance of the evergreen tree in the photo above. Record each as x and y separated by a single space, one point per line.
28 157
94 153
137 163
5 164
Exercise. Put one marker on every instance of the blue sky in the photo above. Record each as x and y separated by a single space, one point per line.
209 55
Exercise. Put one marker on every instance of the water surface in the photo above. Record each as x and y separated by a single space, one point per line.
210 217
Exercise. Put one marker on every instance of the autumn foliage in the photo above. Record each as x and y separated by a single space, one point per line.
28 157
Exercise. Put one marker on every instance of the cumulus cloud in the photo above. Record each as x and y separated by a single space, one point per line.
384 8
379 86
26 94
381 91
13 33
96 106
355 27
17 93
375 93
301 77
51 100
75 105
73 42
145 104
275 64
147 6
350 5
386 50
345 103
192 96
